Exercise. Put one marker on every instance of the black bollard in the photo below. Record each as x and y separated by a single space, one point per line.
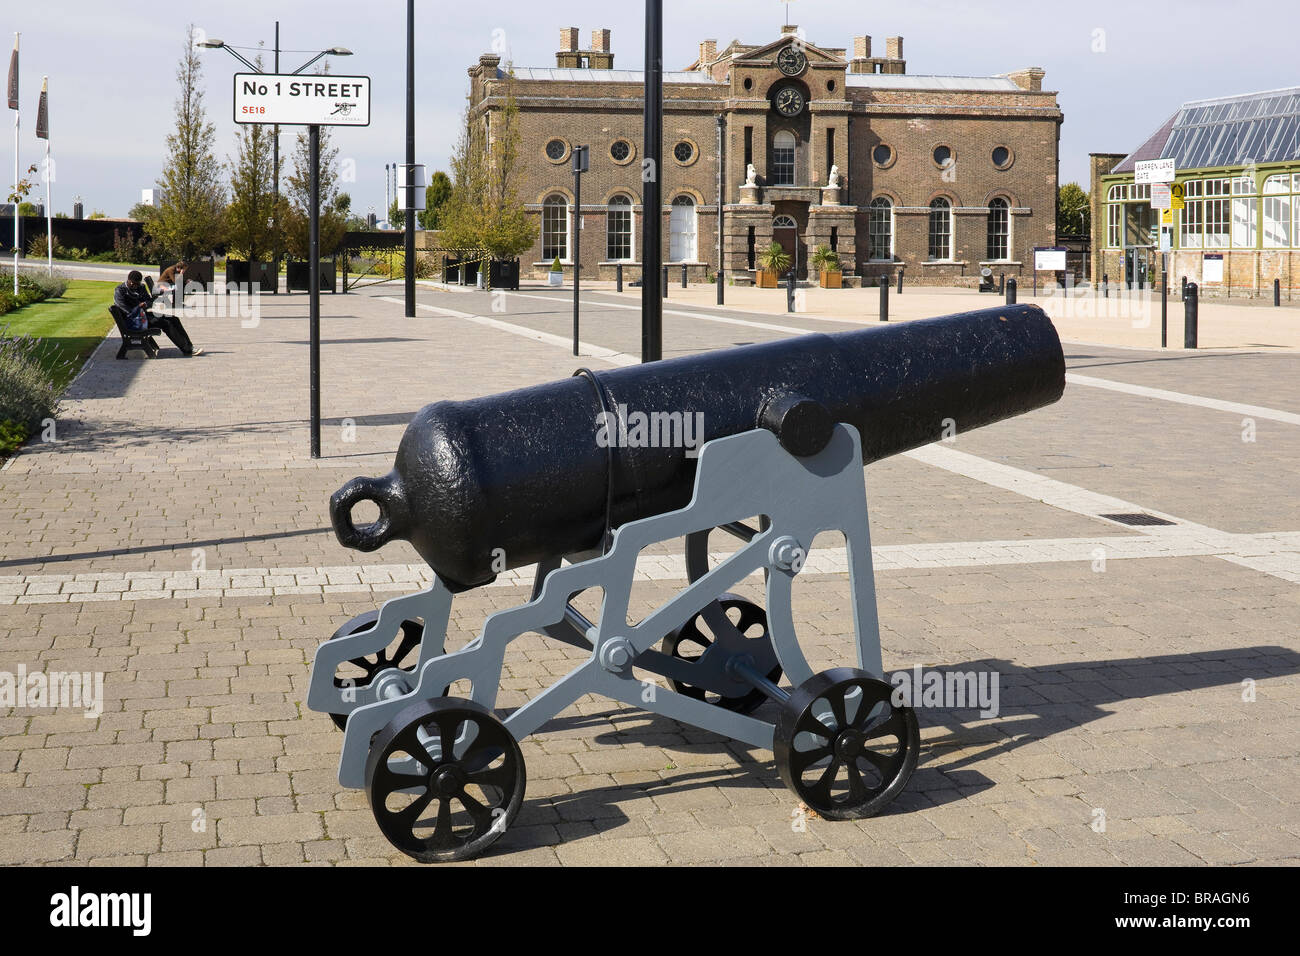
1164 308
1277 293
1002 283
900 281
664 283
618 277
1190 317
1105 286
789 292
1182 294
884 298
683 277
1011 291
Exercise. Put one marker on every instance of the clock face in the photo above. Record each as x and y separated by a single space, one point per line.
789 102
791 62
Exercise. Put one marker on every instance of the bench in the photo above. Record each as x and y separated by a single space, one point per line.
134 338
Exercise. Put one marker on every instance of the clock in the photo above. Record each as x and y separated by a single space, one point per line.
791 62
788 101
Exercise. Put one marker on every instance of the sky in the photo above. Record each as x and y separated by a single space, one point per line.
1120 68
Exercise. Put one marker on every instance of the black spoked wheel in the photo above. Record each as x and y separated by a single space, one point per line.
363 669
843 747
749 635
444 779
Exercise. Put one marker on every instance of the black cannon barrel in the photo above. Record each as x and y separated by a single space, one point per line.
511 479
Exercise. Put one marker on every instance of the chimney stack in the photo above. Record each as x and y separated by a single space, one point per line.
600 41
708 54
568 39
1030 78
861 48
893 48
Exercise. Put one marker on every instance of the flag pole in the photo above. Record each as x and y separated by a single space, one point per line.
13 104
43 130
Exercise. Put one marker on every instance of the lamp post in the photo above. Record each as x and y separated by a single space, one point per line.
580 165
652 222
313 231
409 269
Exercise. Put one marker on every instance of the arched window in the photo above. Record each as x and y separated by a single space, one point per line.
783 145
555 227
1116 193
880 229
784 222
999 229
681 226
940 229
618 229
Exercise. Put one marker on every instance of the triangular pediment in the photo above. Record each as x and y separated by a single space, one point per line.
766 53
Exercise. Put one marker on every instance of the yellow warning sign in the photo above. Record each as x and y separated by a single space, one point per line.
1176 196
1167 217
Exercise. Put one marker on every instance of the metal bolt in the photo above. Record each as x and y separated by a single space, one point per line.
787 554
616 656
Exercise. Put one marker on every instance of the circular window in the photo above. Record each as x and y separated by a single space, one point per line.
882 155
830 86
556 150
749 83
684 152
942 156
621 151
1002 157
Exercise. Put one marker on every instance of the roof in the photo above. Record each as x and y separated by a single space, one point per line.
913 81
602 76
889 81
1226 131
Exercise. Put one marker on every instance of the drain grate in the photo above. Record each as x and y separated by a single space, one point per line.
1135 519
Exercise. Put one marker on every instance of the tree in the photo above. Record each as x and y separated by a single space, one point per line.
142 212
436 196
396 216
252 219
190 216
484 211
333 216
26 209
1073 212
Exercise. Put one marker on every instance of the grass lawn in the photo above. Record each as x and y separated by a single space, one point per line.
71 326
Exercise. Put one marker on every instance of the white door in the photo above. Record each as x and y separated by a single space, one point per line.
681 226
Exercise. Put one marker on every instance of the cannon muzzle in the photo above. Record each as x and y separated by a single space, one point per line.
537 473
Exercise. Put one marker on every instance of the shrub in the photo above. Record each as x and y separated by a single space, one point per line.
36 248
28 388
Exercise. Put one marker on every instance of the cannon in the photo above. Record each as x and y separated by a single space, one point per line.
765 443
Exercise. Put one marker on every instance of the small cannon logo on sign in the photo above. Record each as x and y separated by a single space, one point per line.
293 100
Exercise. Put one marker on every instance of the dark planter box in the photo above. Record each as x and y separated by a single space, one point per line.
456 271
240 273
200 272
504 274
298 276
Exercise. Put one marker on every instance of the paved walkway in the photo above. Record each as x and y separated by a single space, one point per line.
176 539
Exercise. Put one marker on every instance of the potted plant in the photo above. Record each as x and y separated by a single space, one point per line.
556 276
827 262
774 261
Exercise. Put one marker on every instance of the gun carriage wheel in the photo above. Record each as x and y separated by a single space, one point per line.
737 626
444 779
403 656
843 747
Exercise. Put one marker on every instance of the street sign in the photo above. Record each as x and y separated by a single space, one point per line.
1160 196
290 99
1049 258
1176 196
1154 171
1167 217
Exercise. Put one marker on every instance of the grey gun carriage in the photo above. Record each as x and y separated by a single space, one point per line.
523 478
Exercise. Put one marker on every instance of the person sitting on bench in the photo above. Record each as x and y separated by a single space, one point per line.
134 299
171 277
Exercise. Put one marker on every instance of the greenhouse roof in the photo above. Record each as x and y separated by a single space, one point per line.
1227 131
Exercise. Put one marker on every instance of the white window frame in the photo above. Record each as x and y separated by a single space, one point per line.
623 202
929 231
879 203
549 203
692 235
1115 225
777 165
1006 233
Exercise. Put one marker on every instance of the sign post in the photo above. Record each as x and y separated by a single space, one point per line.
291 99
1048 259
581 163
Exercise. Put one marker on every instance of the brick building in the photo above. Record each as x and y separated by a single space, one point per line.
1238 167
938 175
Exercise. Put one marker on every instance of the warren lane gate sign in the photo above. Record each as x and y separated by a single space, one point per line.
290 99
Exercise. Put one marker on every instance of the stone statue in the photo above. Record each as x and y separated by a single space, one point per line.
751 175
833 181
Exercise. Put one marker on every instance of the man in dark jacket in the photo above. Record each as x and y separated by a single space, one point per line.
133 298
